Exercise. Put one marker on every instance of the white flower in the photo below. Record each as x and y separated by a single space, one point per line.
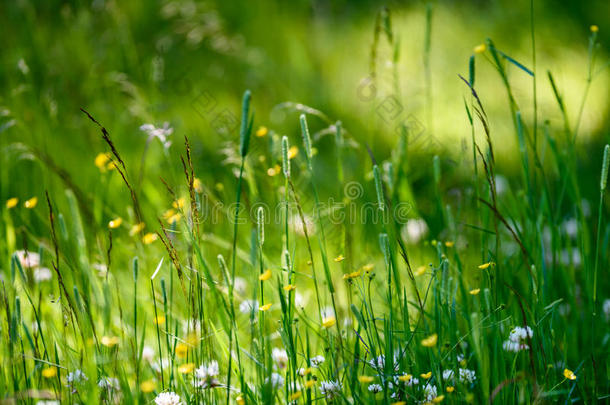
240 285
42 274
191 326
606 309
299 301
430 392
74 378
248 306
277 381
327 312
375 388
27 259
448 374
168 398
379 363
205 375
25 69
101 269
466 376
330 389
415 230
108 384
316 361
48 403
280 357
148 353
517 339
162 133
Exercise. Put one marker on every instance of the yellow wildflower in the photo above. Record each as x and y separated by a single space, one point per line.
31 203
264 307
438 399
421 270
110 341
351 275
430 341
365 379
197 185
147 386
266 275
296 396
12 202
240 400
49 372
262 131
480 48
450 389
289 287
293 152
310 383
101 160
272 171
449 243
179 203
328 322
486 265
159 320
426 375
339 258
594 28
474 291
405 377
368 267
137 228
181 350
115 223
149 238
186 368
569 374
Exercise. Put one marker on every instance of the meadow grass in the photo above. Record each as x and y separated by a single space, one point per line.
280 297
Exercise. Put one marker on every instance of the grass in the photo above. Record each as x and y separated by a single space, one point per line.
256 283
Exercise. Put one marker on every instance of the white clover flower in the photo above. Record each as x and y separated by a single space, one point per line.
316 361
467 376
42 274
517 339
277 381
148 353
74 378
205 375
430 392
27 259
248 306
280 357
330 389
168 398
415 230
162 133
379 362
375 388
109 384
448 374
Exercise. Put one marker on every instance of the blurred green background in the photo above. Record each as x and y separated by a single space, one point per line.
187 63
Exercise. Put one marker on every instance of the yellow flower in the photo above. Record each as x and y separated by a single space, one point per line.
405 377
306 371
430 341
421 270
426 375
174 218
594 28
110 341
339 258
147 386
168 213
296 396
292 152
49 372
569 374
101 160
310 383
11 202
486 265
159 320
480 48
328 322
399 403
438 399
115 223
31 203
450 389
449 243
111 166
474 291
354 274
240 400
264 307
181 350
137 228
186 368
365 379
179 203
149 238
197 185
368 267
272 171
289 287
265 276
262 131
